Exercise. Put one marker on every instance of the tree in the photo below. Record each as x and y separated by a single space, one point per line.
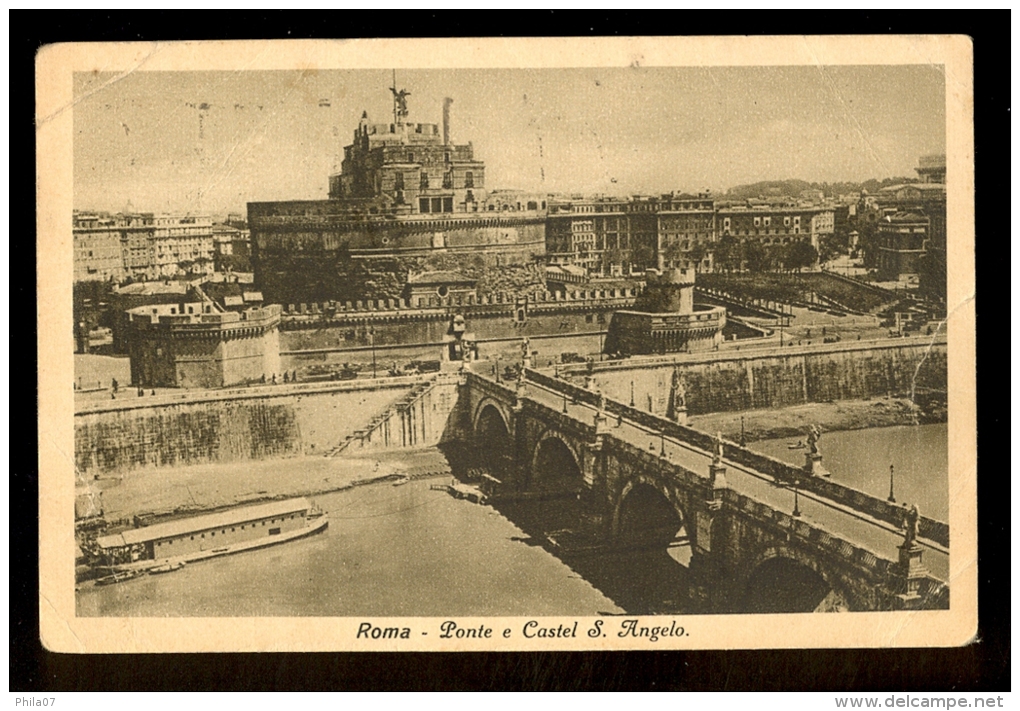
727 253
697 255
867 240
613 255
800 255
932 273
672 253
757 257
834 245
641 256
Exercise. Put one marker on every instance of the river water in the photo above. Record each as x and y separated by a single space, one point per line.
860 459
389 551
412 551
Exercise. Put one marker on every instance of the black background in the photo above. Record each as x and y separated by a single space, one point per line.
983 665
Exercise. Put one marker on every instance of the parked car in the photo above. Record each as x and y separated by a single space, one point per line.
426 366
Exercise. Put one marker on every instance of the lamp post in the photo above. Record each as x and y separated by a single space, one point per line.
564 403
632 393
892 474
796 498
743 437
498 379
662 444
371 338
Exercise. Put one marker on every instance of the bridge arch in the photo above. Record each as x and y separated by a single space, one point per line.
495 443
649 512
555 464
782 579
500 409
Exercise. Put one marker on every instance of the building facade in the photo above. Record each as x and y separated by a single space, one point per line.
98 255
932 168
902 239
593 234
686 233
617 236
140 246
183 244
899 258
777 226
427 288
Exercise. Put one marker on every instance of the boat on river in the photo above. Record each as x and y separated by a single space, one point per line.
167 546
167 567
119 577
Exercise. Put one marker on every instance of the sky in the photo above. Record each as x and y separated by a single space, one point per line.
210 142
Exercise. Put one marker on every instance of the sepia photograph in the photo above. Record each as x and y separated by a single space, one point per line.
507 344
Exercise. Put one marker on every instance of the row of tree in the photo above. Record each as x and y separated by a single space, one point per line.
730 255
733 255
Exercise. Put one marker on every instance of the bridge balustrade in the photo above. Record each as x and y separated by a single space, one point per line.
781 471
861 557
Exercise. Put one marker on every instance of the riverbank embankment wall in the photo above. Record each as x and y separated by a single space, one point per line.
778 377
259 423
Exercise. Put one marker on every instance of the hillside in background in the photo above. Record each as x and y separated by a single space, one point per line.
793 188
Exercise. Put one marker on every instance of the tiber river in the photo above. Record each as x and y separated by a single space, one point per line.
411 551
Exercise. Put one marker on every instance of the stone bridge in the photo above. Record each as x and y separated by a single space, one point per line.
764 536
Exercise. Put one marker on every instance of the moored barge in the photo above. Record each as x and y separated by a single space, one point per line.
164 547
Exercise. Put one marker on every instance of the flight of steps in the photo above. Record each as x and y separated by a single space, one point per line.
376 422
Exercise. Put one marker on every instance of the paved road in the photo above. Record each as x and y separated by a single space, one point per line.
880 538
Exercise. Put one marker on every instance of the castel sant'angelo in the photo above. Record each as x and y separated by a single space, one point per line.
407 199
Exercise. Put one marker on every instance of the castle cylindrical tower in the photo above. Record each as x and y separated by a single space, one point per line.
669 292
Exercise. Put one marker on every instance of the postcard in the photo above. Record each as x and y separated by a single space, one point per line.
507 344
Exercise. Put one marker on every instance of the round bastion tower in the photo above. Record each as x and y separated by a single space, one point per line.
665 320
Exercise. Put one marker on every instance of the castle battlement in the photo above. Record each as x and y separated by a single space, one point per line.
191 345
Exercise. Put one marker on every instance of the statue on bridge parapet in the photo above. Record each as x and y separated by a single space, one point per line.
814 434
716 473
911 566
718 449
520 392
813 458
677 410
911 519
